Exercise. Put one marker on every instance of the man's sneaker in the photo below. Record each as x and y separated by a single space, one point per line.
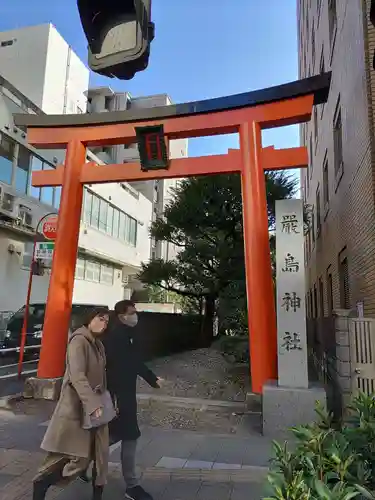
138 493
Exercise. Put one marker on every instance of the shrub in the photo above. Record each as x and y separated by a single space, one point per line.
330 461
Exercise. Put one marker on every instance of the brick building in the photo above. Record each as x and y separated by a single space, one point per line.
338 186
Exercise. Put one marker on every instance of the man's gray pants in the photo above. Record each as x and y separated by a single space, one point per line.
128 451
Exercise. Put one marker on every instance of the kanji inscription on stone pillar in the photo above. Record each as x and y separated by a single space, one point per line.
290 283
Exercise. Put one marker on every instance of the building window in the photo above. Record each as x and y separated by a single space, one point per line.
108 103
91 270
103 213
322 64
318 213
27 255
315 126
325 183
57 198
116 223
7 43
95 209
311 155
100 214
22 169
80 269
87 204
7 146
110 219
313 46
132 231
321 298
46 194
337 144
329 291
332 21
106 274
344 280
315 312
36 165
313 225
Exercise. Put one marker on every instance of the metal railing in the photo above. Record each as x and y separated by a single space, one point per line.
17 349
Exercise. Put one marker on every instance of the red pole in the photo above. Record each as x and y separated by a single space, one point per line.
60 292
259 283
28 297
26 315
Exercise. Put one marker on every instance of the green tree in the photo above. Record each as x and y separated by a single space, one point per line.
204 221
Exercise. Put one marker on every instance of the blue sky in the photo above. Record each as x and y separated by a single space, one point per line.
202 49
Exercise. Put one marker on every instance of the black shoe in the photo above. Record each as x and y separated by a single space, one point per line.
41 486
84 477
97 492
138 493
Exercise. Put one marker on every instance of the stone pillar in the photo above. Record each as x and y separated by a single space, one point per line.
290 400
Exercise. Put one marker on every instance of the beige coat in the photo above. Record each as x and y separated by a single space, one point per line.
85 372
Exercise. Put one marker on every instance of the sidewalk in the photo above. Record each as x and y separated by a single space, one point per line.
17 469
174 464
199 439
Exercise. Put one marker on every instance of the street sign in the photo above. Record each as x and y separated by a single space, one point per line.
49 228
44 250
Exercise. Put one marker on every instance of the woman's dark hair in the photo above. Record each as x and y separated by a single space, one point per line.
89 315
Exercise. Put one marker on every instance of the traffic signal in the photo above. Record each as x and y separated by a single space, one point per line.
119 34
372 19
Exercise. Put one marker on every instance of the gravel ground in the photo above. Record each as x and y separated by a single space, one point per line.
157 414
202 373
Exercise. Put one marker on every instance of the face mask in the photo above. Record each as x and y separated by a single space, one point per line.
130 320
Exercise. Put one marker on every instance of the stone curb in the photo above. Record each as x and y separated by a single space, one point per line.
6 401
250 473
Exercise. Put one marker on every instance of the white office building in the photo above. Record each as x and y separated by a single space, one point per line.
159 192
39 73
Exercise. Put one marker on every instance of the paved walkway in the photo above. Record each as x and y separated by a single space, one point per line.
175 464
198 440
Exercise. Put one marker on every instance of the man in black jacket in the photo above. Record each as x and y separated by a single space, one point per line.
124 364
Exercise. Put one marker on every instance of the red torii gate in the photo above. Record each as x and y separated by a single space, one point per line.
246 114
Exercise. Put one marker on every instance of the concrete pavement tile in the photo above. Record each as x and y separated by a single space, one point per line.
206 450
181 490
156 487
247 491
224 466
171 462
198 464
215 491
5 479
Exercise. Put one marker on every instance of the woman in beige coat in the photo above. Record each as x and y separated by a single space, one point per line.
69 447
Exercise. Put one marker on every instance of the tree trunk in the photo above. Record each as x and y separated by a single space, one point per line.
208 321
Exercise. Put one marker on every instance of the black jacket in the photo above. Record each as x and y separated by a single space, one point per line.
124 364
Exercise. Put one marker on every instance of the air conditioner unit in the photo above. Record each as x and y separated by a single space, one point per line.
7 204
25 216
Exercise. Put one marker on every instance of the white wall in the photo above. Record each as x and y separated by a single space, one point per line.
14 279
23 63
66 78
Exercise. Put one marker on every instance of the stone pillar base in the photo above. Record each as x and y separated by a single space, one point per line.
286 407
42 388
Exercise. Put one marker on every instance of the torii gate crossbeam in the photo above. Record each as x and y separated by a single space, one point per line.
246 114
